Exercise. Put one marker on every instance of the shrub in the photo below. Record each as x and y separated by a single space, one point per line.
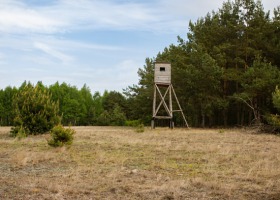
274 122
61 136
133 123
274 119
137 124
118 117
34 111
276 98
115 117
104 119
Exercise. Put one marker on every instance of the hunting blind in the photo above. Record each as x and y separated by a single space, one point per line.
162 73
165 91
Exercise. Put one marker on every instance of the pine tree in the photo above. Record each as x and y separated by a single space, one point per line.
35 112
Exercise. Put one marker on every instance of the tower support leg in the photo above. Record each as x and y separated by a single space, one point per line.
153 124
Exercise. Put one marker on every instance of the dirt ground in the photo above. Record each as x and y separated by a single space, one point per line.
119 163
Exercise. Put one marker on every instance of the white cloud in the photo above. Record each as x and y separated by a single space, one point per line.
63 16
53 52
104 14
113 77
192 9
16 17
68 15
65 44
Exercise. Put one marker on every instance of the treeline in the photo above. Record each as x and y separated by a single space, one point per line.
76 106
224 73
226 70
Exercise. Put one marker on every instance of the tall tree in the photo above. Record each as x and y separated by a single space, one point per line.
140 96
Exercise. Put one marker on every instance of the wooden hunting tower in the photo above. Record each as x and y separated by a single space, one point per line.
164 89
162 73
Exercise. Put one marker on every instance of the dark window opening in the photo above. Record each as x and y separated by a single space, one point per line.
162 69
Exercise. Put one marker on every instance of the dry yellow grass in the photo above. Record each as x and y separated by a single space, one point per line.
118 163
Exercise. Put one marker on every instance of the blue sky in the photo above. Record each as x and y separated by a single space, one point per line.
101 43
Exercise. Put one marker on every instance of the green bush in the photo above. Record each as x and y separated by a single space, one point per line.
274 119
115 117
118 117
61 136
133 123
104 119
137 124
34 111
276 98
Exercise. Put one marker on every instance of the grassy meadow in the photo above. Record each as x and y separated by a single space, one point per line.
119 163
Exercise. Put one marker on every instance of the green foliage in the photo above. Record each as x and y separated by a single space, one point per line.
112 99
97 104
75 106
71 111
104 119
61 136
115 117
133 123
6 107
260 79
137 124
274 119
35 112
276 98
118 117
80 107
18 132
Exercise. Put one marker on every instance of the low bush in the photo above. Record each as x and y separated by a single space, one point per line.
133 123
61 136
274 122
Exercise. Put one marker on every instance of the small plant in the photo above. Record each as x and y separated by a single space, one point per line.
274 122
19 132
61 136
140 128
222 131
132 123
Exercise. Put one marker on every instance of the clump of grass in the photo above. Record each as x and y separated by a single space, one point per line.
137 124
18 132
133 123
140 128
221 130
21 134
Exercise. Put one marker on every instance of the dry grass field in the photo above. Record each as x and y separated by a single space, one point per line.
119 163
